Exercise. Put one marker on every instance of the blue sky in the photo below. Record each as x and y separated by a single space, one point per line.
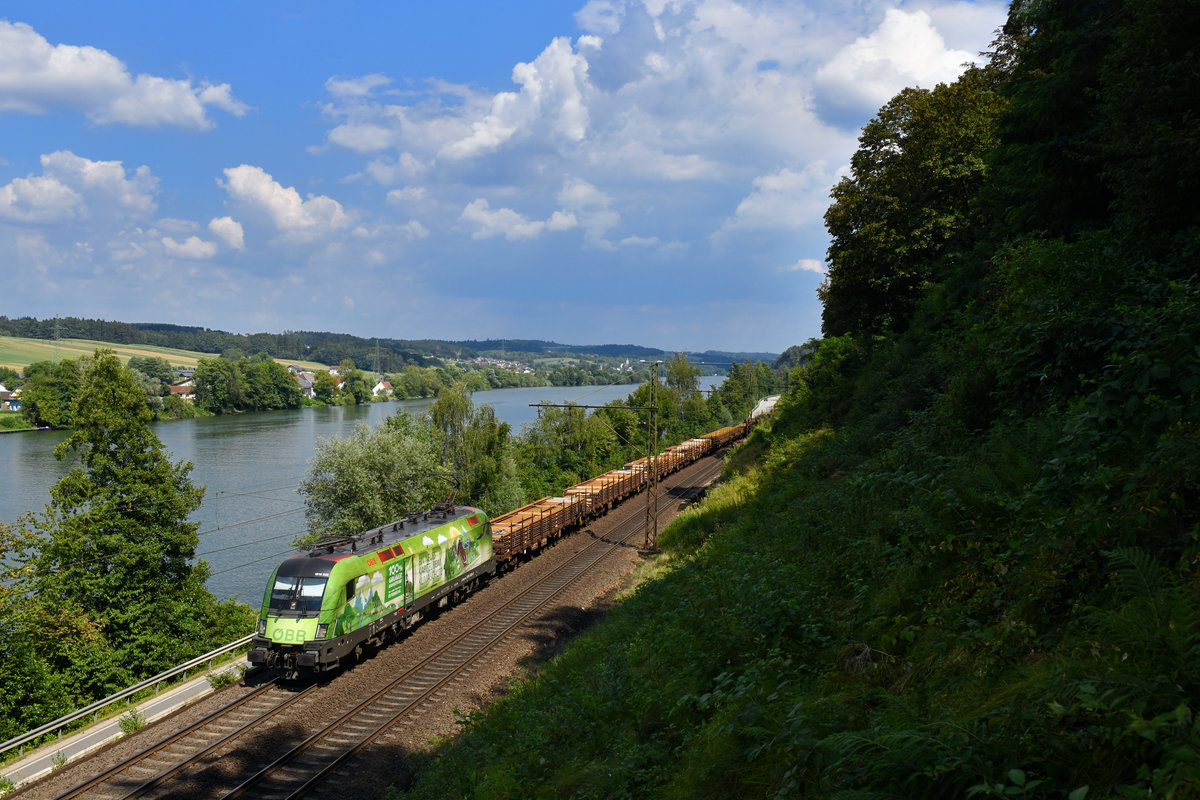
649 172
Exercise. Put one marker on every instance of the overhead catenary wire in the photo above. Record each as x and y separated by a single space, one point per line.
118 554
244 564
11 582
243 523
250 543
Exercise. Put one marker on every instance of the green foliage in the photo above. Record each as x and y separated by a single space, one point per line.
219 680
1046 169
821 389
175 407
479 449
906 202
124 501
220 387
325 387
14 421
374 476
744 385
153 367
154 390
49 392
681 375
566 445
132 721
224 386
1150 92
357 384
119 593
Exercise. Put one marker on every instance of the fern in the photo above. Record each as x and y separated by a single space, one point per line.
1139 575
1155 623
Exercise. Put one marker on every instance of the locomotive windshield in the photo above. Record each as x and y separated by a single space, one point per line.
296 595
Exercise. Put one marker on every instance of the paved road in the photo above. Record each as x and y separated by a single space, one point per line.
40 762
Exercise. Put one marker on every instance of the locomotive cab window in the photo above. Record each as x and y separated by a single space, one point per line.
296 595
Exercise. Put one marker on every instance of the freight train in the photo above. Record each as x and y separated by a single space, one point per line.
324 607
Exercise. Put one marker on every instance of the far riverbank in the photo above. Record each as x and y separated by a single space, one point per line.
250 465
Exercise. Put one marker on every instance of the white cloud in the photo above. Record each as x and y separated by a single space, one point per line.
386 171
37 77
175 226
906 50
291 215
664 122
108 179
38 199
364 138
551 96
601 16
229 231
784 199
962 23
415 230
356 87
561 221
72 187
192 247
509 224
409 194
593 207
807 265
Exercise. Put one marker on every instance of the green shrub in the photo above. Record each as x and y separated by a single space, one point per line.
219 680
132 721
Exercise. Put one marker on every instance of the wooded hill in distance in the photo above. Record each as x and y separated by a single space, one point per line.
332 348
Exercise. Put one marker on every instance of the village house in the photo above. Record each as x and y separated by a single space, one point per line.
184 389
307 382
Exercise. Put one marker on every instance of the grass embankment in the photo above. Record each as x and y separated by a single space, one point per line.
890 610
14 421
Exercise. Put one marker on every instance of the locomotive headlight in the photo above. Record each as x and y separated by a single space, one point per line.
322 629
262 627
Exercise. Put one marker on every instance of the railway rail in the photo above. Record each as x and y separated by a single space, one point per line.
184 763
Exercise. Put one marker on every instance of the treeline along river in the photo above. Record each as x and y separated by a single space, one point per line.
250 465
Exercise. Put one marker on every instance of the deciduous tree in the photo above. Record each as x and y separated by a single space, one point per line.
49 391
906 202
478 448
374 476
118 544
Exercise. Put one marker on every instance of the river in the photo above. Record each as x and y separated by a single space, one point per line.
250 465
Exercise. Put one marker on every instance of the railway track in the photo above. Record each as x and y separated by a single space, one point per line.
195 761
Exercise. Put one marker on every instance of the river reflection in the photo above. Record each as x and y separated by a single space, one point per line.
250 465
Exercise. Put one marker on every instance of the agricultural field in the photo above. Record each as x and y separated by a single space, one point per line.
18 353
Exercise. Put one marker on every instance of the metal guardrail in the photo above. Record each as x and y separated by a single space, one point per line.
95 708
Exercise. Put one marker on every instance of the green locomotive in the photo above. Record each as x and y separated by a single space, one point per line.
323 606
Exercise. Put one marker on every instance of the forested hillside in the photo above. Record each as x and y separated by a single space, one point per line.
963 559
